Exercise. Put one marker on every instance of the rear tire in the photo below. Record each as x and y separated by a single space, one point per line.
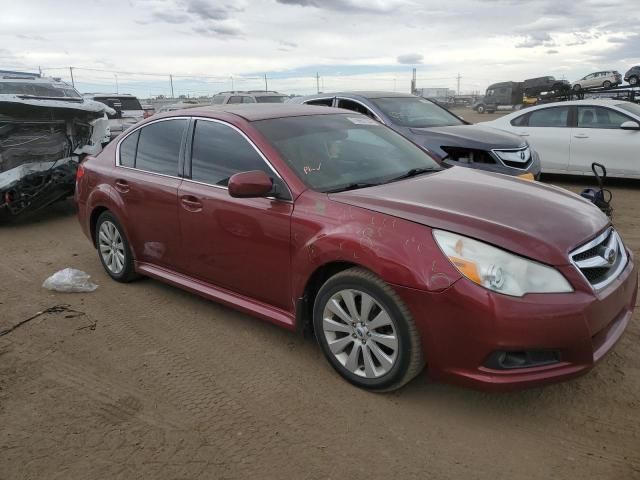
633 80
113 249
577 88
366 332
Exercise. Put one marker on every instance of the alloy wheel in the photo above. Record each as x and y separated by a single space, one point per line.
360 333
111 247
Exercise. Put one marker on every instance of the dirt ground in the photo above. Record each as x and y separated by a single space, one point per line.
147 381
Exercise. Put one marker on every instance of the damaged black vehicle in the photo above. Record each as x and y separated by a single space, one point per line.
46 127
453 140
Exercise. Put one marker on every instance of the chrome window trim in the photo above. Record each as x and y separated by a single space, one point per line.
214 120
362 105
598 241
135 130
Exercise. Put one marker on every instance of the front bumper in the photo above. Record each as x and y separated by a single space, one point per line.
464 325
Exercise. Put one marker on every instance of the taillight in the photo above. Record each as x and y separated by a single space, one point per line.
79 172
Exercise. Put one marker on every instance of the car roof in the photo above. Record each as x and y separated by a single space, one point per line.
108 95
261 111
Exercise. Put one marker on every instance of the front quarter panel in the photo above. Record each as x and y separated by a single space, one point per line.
398 251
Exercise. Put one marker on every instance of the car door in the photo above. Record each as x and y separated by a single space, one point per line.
597 137
147 178
547 131
240 244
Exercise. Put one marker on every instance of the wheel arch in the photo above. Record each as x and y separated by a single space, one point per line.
304 305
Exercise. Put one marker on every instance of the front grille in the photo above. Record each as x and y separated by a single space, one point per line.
515 158
601 260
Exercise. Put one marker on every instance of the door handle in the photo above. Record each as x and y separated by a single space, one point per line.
524 134
122 186
191 203
581 136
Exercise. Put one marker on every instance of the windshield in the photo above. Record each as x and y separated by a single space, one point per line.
416 112
343 151
630 107
271 99
37 89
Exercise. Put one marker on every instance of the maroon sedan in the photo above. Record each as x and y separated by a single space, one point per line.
314 218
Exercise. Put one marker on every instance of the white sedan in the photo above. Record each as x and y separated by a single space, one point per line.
570 136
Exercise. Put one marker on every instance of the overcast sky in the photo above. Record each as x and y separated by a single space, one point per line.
365 44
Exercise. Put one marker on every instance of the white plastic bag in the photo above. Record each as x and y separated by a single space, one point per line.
70 280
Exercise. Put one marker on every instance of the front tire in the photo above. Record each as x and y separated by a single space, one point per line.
606 84
633 80
481 109
113 249
577 88
366 332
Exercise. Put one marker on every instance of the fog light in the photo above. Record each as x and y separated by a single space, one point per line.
507 360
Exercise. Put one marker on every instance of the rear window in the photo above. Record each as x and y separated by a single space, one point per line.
271 99
630 107
127 103
218 100
38 90
159 147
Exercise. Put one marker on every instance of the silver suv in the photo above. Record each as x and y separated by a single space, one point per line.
249 96
605 79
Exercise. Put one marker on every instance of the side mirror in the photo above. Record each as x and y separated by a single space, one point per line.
630 125
251 184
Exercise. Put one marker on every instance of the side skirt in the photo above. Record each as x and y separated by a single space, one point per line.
239 302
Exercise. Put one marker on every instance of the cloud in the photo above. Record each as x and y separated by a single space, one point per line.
626 50
170 17
206 10
536 40
410 59
348 6
219 31
552 52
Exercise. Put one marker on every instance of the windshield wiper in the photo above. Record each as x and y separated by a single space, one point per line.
351 186
413 172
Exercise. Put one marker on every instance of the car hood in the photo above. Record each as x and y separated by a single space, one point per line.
469 136
528 218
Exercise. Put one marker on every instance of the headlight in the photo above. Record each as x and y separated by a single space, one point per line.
498 270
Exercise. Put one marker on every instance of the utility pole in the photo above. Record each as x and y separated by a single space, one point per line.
232 83
266 87
317 82
413 81
40 70
73 84
171 81
117 88
458 78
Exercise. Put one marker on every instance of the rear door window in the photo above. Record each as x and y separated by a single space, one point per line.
159 147
356 107
549 117
236 99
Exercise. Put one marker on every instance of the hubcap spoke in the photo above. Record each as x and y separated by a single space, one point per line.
333 326
334 307
386 340
350 302
381 320
366 303
352 361
338 346
369 367
382 357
